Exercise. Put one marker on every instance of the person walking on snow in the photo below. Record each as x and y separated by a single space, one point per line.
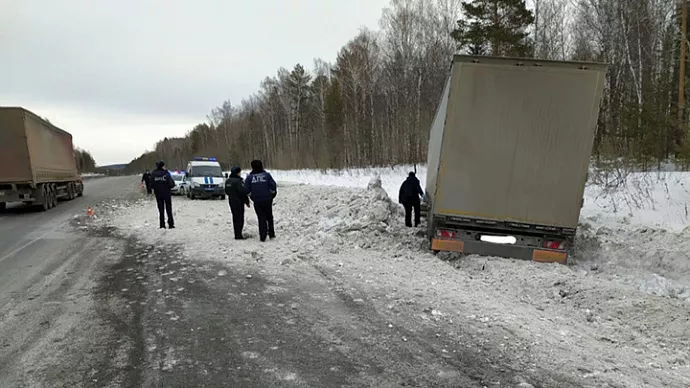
262 189
162 182
146 179
234 188
410 191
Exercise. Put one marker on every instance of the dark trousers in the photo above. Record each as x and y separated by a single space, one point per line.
148 189
165 206
237 210
409 204
264 213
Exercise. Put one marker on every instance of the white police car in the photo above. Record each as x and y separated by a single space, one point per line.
204 179
178 177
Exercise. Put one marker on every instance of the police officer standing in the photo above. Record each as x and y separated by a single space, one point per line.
146 179
234 188
162 182
409 194
261 187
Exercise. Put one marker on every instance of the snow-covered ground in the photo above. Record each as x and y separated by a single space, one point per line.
91 175
618 315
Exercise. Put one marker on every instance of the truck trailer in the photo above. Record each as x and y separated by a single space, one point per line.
509 151
37 159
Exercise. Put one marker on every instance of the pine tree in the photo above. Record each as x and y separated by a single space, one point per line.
497 27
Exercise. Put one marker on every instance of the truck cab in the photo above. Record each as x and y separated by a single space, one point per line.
204 179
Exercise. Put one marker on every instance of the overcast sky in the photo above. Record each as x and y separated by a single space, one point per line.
120 75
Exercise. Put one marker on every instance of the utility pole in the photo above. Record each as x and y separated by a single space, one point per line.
681 81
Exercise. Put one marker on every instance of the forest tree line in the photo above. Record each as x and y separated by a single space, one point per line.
374 104
84 160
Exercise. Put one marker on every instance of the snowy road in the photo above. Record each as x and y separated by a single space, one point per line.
85 305
344 297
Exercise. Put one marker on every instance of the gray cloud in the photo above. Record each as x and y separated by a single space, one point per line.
174 60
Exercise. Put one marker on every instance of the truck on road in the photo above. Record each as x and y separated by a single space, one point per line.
509 151
37 159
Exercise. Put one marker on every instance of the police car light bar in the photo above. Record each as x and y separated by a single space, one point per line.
199 158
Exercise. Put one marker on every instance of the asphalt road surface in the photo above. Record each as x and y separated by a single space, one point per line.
47 276
92 307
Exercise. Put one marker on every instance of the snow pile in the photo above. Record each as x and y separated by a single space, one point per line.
371 209
656 261
310 218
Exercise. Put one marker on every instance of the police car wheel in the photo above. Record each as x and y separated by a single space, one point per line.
222 197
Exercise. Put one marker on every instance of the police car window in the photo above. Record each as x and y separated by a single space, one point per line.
177 177
213 171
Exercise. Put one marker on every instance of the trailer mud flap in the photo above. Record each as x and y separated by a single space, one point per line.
543 256
438 244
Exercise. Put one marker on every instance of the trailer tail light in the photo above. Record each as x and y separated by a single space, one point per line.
553 244
445 233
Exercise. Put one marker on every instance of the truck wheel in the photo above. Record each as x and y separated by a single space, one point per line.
49 196
45 198
70 191
54 194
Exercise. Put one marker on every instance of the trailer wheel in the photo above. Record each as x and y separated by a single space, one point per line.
70 191
49 196
45 198
53 195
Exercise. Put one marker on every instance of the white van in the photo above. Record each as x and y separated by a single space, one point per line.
204 179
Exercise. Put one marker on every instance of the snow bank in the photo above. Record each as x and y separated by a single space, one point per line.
391 177
91 175
657 199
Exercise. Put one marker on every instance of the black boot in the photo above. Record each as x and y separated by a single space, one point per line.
162 227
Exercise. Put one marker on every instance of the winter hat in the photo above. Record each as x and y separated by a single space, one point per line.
235 170
160 164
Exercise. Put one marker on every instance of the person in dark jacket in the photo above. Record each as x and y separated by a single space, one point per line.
146 179
410 191
162 182
234 188
262 189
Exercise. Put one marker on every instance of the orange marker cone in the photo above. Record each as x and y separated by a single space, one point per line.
89 211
